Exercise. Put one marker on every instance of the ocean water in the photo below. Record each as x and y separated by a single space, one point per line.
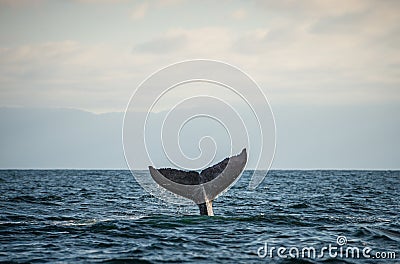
81 216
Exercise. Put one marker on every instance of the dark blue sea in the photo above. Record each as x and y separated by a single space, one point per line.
84 216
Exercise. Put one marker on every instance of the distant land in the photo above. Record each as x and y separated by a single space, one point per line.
312 137
60 138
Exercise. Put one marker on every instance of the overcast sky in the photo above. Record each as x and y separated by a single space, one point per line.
339 56
91 54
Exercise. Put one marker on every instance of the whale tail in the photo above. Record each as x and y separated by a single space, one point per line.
202 188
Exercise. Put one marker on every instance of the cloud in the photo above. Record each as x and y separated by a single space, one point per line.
200 42
205 41
313 8
140 11
165 44
101 1
353 44
38 52
295 64
70 74
239 14
20 3
304 52
166 3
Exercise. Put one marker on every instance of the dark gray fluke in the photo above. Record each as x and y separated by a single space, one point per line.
201 187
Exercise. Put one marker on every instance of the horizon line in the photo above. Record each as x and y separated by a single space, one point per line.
250 169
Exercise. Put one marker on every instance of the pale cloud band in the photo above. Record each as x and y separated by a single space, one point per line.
325 52
329 68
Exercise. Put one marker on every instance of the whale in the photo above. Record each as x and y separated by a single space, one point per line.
201 187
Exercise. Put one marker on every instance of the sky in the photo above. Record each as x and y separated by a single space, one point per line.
320 63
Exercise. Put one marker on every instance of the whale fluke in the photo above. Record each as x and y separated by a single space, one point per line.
201 187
